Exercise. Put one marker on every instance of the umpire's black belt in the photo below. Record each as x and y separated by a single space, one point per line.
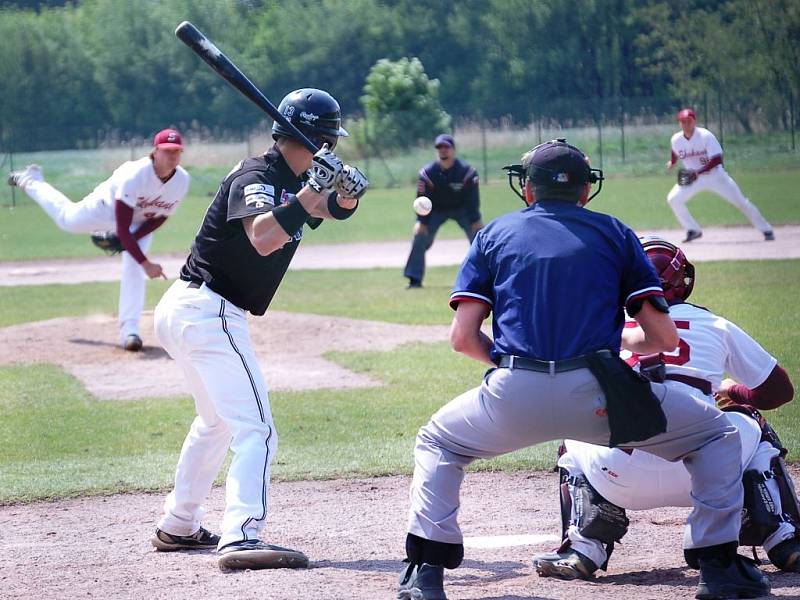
546 366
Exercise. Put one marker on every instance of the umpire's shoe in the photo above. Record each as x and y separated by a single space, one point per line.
786 555
569 564
730 577
255 554
200 540
422 582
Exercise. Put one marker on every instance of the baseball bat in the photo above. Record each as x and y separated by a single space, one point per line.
224 67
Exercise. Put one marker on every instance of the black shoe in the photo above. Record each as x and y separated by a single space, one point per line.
568 565
133 343
723 577
413 284
255 554
786 555
199 540
422 582
692 234
769 236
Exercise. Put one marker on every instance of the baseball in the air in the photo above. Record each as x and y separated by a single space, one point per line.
422 206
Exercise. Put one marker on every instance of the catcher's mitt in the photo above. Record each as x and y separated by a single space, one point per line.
686 176
107 241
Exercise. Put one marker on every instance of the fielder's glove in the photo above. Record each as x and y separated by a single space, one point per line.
351 183
107 241
686 176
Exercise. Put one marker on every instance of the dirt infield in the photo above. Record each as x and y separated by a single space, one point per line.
353 531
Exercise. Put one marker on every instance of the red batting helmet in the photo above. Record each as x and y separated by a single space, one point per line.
672 266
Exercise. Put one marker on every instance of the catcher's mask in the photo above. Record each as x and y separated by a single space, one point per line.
556 165
672 266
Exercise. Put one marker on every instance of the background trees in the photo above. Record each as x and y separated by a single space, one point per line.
78 72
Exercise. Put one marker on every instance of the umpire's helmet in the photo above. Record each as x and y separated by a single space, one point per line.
315 113
672 266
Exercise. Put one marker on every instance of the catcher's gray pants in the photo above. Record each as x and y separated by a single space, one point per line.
718 181
513 409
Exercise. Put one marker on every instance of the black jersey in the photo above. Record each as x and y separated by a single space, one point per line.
222 255
452 189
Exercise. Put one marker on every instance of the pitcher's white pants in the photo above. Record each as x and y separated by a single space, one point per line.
92 214
718 181
209 339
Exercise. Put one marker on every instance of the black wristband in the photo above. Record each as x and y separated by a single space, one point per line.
337 212
290 216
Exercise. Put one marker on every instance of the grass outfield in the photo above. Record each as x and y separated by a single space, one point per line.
27 233
56 440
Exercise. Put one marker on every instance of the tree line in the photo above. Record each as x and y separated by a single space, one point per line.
80 70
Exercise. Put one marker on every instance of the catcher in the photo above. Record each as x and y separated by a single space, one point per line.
135 201
598 484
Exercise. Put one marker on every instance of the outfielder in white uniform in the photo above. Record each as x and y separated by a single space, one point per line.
709 347
701 153
135 201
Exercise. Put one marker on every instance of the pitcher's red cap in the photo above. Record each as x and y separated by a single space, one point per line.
168 138
686 113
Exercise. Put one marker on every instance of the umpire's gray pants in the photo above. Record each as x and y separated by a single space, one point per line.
513 409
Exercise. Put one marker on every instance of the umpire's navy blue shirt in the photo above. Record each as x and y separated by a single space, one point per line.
556 277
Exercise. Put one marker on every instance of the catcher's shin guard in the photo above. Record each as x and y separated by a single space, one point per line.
586 509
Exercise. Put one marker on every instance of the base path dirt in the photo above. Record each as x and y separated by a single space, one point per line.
353 531
720 243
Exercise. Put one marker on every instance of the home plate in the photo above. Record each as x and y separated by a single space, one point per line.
506 541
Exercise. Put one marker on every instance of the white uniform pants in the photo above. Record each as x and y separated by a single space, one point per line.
718 181
640 481
92 214
208 338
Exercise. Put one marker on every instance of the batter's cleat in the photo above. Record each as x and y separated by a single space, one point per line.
568 565
22 178
201 539
132 343
724 577
786 555
692 234
255 554
422 582
769 236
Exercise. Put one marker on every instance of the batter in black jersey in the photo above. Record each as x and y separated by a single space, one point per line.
451 185
240 255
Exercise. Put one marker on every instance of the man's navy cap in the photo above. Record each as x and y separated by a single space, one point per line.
557 163
444 139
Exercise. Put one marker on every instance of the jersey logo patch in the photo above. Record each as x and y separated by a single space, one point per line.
259 194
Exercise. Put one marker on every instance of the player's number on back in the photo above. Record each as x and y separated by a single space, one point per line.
680 356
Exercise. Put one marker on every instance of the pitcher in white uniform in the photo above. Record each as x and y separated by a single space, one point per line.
135 201
599 481
700 152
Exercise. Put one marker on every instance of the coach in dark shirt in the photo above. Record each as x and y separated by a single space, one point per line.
452 186
248 237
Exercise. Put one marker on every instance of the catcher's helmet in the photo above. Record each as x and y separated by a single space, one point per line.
672 266
315 113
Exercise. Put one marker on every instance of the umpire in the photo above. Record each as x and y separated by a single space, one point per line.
248 237
556 277
452 186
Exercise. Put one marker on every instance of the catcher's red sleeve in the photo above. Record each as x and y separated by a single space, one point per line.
776 390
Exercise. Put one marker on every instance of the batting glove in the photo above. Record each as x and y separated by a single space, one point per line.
325 169
351 183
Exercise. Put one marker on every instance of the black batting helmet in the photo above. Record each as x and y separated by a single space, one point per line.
315 113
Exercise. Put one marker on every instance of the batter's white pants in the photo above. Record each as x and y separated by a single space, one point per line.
92 214
718 181
209 339
640 481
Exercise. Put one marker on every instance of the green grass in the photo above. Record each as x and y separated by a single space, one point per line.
56 440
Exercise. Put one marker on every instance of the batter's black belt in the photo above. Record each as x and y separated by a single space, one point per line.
511 361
